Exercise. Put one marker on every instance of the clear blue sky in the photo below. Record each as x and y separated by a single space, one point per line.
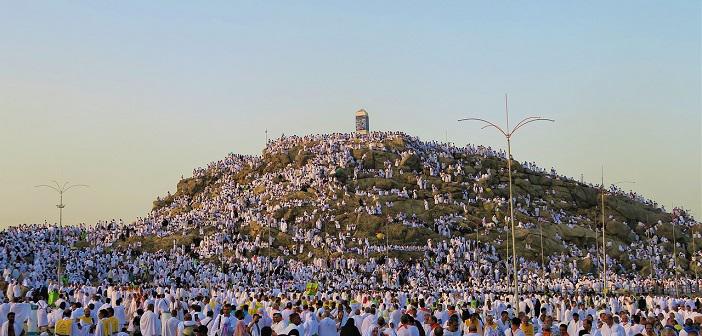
127 96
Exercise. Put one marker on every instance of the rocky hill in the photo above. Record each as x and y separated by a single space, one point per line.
317 192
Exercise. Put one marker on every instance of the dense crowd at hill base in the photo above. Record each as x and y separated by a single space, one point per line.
84 310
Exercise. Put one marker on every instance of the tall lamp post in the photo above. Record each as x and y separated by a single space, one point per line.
675 261
650 258
597 250
604 228
675 252
543 264
508 133
695 234
60 189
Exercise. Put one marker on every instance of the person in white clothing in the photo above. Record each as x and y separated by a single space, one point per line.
149 323
327 326
515 329
171 327
405 326
279 325
575 325
11 327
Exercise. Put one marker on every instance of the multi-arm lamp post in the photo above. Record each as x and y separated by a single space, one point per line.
60 189
508 133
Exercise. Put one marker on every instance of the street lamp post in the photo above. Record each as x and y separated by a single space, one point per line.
543 264
694 259
60 189
507 259
270 254
508 136
596 260
675 258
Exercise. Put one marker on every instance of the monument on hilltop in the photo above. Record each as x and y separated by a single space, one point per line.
362 122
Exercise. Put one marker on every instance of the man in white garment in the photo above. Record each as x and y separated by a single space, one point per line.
515 329
609 328
368 320
358 318
255 326
405 326
286 312
396 315
311 326
172 324
575 325
295 323
120 314
224 324
4 309
11 327
327 326
161 310
208 319
150 325
279 325
186 327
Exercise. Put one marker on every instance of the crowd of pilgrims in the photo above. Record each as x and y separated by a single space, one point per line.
256 190
87 310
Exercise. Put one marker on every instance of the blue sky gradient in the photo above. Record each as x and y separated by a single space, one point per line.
127 96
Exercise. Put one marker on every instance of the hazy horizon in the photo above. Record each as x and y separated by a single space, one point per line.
127 97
